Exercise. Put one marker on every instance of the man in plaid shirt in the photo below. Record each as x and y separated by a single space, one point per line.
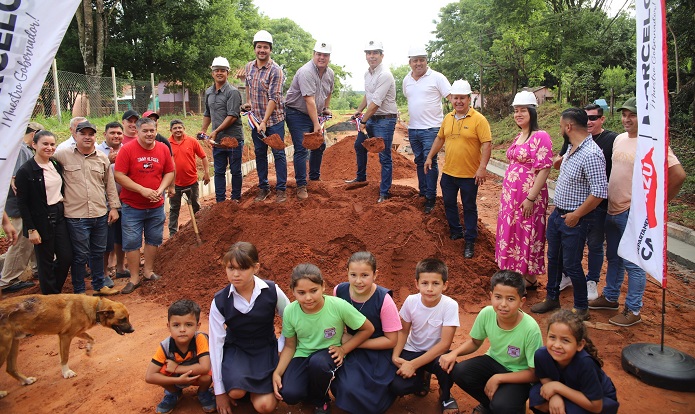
264 80
580 188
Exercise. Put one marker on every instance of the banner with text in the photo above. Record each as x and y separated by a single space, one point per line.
30 33
644 240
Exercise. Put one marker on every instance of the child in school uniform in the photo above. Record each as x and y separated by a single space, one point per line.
429 320
313 326
569 369
501 379
243 346
182 359
362 384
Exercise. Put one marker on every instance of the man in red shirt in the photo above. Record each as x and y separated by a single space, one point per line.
185 149
144 168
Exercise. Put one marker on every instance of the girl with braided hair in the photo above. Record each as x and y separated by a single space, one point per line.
569 369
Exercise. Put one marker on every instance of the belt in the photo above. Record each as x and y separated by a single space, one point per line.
388 116
563 211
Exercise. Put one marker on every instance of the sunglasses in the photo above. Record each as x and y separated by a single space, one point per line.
594 117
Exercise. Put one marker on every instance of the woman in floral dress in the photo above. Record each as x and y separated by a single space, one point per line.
524 199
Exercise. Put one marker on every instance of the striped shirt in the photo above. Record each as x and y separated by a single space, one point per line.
264 84
583 173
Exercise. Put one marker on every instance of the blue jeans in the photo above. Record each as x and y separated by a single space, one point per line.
421 143
298 123
567 244
636 277
261 150
469 192
594 241
382 128
223 157
88 236
135 222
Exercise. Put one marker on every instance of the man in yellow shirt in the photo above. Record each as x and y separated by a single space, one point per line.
467 135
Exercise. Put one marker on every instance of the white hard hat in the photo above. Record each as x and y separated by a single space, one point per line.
220 62
373 45
323 47
262 36
461 87
525 98
416 51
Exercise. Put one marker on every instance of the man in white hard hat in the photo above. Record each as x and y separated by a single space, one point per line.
424 88
467 135
264 80
308 97
380 117
222 104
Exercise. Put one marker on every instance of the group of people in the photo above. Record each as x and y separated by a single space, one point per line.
358 347
80 203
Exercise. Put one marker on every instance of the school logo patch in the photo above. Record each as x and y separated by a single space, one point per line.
513 351
329 333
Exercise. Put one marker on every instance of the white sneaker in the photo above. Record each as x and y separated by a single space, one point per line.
591 290
565 282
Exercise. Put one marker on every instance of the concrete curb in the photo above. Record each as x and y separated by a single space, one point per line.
681 240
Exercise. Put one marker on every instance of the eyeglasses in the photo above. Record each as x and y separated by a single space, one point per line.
594 117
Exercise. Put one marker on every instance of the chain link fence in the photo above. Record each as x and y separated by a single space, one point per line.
69 94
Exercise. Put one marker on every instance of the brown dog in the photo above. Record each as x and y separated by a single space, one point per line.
64 315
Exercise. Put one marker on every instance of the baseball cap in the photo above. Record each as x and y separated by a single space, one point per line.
86 125
129 114
630 105
149 113
35 126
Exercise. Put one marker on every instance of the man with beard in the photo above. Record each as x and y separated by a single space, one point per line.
580 188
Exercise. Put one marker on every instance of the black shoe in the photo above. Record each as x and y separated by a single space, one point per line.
469 250
383 198
456 236
354 180
16 287
429 205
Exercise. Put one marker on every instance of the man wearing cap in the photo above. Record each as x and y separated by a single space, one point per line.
186 149
308 97
380 117
144 169
264 80
467 136
159 137
424 88
619 199
580 187
113 142
222 104
70 142
21 253
87 176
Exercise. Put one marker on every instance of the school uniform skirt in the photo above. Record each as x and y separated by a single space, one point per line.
249 368
362 383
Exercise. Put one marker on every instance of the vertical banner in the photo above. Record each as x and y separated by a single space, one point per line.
30 33
644 240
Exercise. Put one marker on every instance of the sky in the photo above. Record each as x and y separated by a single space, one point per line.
348 26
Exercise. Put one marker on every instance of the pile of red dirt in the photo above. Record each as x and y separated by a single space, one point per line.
325 230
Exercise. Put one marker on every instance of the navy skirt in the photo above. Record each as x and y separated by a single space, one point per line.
250 368
362 383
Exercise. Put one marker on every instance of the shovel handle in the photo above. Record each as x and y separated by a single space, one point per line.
255 124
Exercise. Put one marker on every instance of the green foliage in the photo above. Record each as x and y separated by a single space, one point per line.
292 45
399 73
618 82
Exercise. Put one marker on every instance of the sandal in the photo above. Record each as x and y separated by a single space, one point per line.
531 285
449 406
426 379
130 287
152 278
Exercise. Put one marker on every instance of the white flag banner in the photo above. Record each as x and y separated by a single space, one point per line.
644 240
30 33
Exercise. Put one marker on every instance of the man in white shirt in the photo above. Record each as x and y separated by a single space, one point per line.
70 142
424 88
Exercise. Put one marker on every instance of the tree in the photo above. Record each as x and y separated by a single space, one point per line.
399 73
615 79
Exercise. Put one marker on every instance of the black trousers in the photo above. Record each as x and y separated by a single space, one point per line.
404 386
54 253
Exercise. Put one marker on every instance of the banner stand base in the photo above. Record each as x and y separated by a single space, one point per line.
669 369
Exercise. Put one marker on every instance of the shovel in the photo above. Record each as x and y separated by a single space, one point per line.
371 144
274 141
187 193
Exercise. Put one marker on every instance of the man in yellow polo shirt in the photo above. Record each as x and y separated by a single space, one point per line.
467 136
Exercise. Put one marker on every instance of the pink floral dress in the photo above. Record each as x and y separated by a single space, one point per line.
521 241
